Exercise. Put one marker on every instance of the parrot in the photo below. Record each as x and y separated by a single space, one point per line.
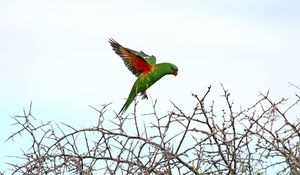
144 67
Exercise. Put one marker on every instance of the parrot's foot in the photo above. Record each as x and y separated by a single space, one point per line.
144 96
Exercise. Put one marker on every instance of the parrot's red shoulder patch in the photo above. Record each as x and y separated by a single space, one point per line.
134 63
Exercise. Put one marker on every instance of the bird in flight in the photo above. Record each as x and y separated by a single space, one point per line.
142 66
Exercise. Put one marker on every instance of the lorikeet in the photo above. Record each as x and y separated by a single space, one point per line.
144 67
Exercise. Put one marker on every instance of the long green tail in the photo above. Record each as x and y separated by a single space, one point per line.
127 104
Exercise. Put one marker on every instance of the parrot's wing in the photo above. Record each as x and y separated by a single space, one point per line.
136 62
150 59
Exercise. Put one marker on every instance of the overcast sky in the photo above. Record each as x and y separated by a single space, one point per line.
56 54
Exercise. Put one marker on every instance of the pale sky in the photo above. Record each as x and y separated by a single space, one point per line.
56 54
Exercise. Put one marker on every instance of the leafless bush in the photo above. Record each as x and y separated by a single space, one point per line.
261 139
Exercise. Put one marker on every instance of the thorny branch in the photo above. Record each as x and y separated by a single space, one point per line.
255 140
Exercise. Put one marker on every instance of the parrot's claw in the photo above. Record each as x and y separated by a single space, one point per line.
144 96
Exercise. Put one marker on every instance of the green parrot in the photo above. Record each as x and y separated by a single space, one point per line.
144 67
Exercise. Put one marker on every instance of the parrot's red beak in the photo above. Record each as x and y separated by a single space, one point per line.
174 73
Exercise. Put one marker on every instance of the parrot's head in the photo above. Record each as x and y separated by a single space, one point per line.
171 69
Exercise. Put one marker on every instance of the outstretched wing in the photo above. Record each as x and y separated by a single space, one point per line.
150 59
136 62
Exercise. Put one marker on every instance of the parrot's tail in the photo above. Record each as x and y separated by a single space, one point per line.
122 110
126 105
